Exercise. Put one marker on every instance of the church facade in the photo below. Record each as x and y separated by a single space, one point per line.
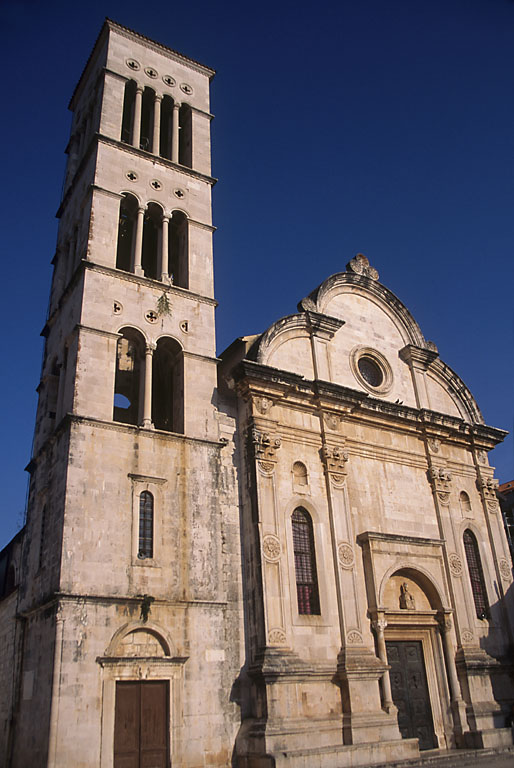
289 556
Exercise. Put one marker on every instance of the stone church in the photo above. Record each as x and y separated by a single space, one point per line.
290 555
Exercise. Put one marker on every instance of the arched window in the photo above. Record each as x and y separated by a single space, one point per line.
147 118
178 249
145 548
300 473
127 124
185 144
152 234
305 563
127 389
126 233
166 126
476 574
168 386
465 504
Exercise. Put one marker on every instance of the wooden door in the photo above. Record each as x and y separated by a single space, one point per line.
410 692
141 725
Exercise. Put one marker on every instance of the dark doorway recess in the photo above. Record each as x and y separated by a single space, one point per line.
141 725
410 692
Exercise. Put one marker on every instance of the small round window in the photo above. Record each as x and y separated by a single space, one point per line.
370 371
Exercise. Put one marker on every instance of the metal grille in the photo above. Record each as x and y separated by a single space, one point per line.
305 563
476 574
145 525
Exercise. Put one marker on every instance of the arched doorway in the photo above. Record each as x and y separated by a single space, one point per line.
411 613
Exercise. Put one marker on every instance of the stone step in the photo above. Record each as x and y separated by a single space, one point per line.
502 757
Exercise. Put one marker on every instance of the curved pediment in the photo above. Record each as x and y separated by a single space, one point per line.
354 332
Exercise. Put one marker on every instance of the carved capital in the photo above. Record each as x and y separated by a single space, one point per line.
332 421
265 445
379 625
441 479
488 487
335 458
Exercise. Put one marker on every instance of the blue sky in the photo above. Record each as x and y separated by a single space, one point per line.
375 126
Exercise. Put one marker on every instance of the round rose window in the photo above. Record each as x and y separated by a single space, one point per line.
370 371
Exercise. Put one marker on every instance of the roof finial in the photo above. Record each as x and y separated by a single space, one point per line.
360 265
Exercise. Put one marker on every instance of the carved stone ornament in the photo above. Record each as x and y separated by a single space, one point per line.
492 506
277 637
482 457
332 421
467 636
345 555
379 625
446 624
441 480
455 564
488 486
271 548
353 637
335 461
505 569
267 466
263 404
361 266
433 444
265 445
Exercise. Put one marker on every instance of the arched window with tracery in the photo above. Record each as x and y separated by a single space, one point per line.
305 563
476 574
145 548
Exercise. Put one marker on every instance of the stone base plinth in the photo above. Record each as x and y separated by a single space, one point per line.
487 738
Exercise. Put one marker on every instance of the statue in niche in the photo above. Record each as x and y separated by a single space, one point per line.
406 599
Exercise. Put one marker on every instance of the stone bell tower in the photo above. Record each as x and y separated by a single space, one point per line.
129 625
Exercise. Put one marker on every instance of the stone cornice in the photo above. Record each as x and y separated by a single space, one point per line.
418 356
198 356
371 536
323 326
156 159
97 331
251 377
109 25
155 284
98 138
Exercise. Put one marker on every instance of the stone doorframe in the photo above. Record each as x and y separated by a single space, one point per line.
124 668
424 628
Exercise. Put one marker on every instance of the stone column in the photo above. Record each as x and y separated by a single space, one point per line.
174 132
164 251
138 249
379 625
156 124
458 705
147 401
138 105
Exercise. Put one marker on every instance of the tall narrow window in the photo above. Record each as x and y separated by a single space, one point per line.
126 232
185 144
147 112
465 504
305 563
152 234
178 249
476 574
127 124
127 390
168 386
145 549
42 537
